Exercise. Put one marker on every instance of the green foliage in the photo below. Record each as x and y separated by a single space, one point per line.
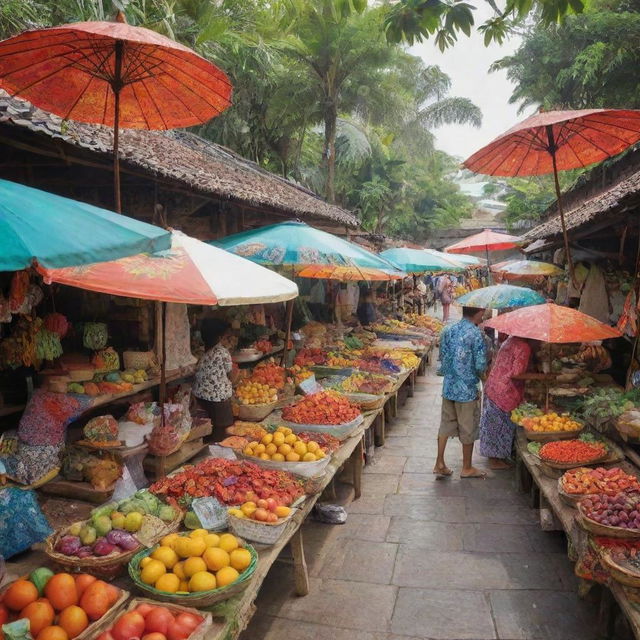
413 21
588 61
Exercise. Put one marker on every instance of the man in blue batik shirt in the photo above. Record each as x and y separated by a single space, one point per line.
463 358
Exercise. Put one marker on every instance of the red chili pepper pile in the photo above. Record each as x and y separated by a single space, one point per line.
230 481
568 451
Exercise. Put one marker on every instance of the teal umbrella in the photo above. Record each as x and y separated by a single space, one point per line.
416 261
312 252
468 261
501 296
36 226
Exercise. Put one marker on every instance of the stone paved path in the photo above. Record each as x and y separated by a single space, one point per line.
420 558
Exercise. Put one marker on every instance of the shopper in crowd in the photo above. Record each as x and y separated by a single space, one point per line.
367 313
503 392
212 386
463 360
445 291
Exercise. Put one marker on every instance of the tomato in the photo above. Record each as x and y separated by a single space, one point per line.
83 580
154 636
178 631
158 620
144 608
189 620
105 635
40 615
4 614
128 626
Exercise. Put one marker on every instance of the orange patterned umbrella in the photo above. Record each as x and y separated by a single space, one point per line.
113 74
486 240
552 323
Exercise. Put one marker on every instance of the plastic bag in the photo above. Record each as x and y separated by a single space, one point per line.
22 523
330 513
143 413
101 429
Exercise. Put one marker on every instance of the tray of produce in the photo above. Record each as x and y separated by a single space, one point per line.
367 383
232 482
551 426
144 618
326 412
285 451
104 543
196 569
567 454
614 516
53 606
366 401
575 484
261 522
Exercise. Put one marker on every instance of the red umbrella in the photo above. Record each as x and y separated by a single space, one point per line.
486 240
552 323
558 140
113 74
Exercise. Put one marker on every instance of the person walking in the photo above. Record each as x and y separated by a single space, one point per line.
445 289
463 358
503 392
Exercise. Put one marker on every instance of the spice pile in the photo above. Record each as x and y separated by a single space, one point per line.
572 451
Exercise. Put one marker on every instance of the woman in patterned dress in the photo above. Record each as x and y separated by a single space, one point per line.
212 384
503 392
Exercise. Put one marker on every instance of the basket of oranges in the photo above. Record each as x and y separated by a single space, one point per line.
551 426
262 522
195 569
254 400
283 450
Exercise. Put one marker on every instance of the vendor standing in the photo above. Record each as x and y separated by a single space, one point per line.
504 391
212 385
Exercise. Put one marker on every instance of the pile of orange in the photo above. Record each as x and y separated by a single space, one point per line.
251 392
62 609
284 446
551 423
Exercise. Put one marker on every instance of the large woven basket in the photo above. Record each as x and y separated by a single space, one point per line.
620 574
106 567
551 436
570 499
366 401
606 530
199 633
572 465
202 599
259 532
253 412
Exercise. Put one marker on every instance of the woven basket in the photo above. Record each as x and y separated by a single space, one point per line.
538 436
198 600
366 401
105 567
572 465
200 633
253 412
570 499
259 532
302 469
138 359
606 530
620 574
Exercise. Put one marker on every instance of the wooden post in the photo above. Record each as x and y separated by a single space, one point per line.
301 574
287 335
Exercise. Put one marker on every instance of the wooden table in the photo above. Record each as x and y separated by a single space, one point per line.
235 614
557 515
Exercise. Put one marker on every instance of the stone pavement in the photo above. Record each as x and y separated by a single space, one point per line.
424 558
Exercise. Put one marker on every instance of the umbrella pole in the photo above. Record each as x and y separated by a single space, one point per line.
552 152
489 279
287 335
117 87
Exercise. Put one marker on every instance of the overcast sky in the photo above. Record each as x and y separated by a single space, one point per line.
467 63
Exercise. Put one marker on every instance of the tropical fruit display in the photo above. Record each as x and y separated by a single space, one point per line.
285 446
251 392
194 562
58 606
621 510
587 481
551 423
262 511
325 407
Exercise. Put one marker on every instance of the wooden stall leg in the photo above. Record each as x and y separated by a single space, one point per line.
379 429
606 615
357 462
388 409
394 405
548 520
300 572
412 385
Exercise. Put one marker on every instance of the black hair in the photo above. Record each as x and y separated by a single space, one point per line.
212 330
469 312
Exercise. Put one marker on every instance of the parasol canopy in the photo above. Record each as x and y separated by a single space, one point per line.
500 296
417 261
555 141
486 241
113 74
310 252
524 268
552 323
37 226
461 258
190 272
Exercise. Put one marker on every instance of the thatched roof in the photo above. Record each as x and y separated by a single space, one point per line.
180 157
